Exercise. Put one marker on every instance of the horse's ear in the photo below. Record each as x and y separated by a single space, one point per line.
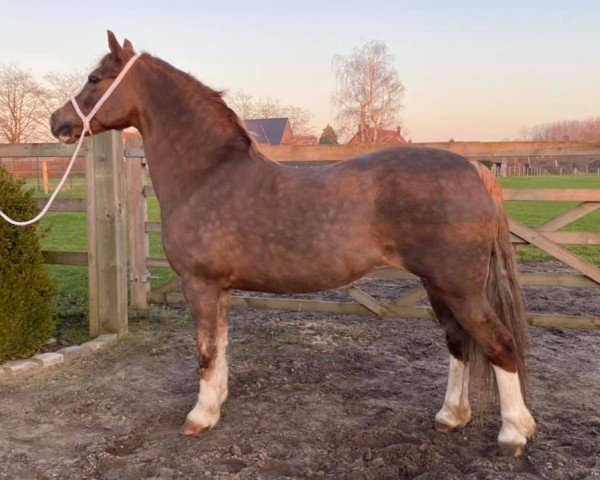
114 46
128 46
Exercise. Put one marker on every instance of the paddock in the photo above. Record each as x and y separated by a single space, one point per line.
311 395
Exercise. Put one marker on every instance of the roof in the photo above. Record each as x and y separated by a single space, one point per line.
267 130
383 136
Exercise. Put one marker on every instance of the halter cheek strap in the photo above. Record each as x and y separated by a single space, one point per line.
87 119
86 128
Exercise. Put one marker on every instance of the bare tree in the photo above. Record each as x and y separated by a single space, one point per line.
345 130
23 115
587 130
268 107
368 88
247 106
524 133
300 119
61 86
242 103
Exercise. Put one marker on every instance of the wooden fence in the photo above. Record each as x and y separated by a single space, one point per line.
546 237
112 183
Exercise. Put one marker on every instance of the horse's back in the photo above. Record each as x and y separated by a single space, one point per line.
411 160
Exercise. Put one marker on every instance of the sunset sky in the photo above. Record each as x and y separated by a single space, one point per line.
473 70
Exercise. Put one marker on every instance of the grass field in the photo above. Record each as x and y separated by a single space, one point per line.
67 232
535 214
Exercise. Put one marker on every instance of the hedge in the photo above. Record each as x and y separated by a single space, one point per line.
26 292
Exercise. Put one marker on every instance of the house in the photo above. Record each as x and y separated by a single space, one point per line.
270 131
367 135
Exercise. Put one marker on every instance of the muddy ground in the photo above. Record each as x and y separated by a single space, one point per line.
311 396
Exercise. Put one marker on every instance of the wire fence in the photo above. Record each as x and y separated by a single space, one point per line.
543 166
527 171
43 174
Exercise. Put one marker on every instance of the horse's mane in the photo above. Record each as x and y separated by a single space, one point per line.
213 97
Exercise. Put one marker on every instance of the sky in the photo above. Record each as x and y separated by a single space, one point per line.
473 70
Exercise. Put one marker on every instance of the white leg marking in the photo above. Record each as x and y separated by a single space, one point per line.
456 412
213 390
212 394
517 422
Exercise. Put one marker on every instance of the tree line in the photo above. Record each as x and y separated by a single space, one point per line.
26 103
368 94
587 130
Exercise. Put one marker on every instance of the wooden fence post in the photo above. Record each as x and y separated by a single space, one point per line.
138 238
45 177
107 258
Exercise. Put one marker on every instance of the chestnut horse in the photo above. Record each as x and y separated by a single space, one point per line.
233 219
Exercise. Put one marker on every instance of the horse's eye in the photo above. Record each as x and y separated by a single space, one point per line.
93 79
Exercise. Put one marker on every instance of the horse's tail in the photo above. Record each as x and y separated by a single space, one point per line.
504 294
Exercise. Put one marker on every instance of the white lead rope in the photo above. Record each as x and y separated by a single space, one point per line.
86 128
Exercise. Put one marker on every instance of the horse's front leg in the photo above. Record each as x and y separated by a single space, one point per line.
209 305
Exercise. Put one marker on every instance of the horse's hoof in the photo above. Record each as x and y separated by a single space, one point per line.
443 427
446 421
200 420
191 428
511 449
512 439
530 428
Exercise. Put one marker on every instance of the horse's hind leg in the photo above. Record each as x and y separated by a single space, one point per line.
209 305
456 412
475 315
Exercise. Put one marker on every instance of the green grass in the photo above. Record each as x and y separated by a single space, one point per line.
536 213
552 181
67 232
73 187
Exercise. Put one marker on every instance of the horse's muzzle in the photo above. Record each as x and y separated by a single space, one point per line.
66 132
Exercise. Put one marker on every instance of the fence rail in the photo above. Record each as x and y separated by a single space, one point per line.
545 237
106 260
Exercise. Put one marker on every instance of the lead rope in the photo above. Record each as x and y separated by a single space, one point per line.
86 128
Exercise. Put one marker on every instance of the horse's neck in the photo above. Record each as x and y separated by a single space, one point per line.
184 135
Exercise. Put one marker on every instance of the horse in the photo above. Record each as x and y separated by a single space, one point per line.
233 219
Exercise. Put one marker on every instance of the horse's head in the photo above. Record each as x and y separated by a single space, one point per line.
117 112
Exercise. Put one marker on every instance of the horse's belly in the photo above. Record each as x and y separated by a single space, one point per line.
307 274
293 284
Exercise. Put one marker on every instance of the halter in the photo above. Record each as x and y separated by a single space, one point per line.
85 129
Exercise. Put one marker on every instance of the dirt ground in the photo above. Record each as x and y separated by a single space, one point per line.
311 396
